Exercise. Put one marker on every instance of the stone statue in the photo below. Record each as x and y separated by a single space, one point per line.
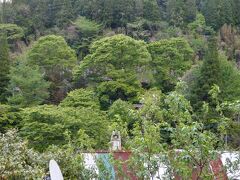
116 141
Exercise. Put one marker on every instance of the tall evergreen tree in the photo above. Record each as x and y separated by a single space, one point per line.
175 12
27 86
209 74
211 13
190 10
163 7
62 12
4 66
226 12
236 12
151 10
181 12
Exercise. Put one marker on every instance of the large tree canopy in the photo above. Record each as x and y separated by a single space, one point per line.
116 65
118 52
170 59
12 31
51 125
52 51
55 59
81 98
77 70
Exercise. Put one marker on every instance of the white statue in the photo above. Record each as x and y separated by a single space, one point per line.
116 141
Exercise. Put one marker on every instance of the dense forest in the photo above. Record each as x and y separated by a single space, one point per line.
165 73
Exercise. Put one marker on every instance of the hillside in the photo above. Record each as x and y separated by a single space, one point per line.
164 73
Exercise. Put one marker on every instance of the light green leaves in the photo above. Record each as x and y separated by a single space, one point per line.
116 52
12 31
51 51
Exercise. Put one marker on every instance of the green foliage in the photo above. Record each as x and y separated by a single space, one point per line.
209 75
111 13
80 35
50 125
62 12
87 27
117 71
202 145
122 112
226 12
70 161
20 162
200 149
152 106
233 109
118 52
210 11
218 13
213 116
52 51
12 31
199 45
122 117
198 29
17 161
177 109
145 29
4 66
218 70
113 66
110 91
55 59
190 10
151 11
230 78
147 151
81 98
9 118
27 86
175 12
181 12
170 59
235 6
197 152
199 26
21 16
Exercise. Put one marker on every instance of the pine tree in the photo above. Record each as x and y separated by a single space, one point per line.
175 12
211 13
163 8
236 12
226 12
27 86
151 10
62 11
4 66
181 12
209 75
190 10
